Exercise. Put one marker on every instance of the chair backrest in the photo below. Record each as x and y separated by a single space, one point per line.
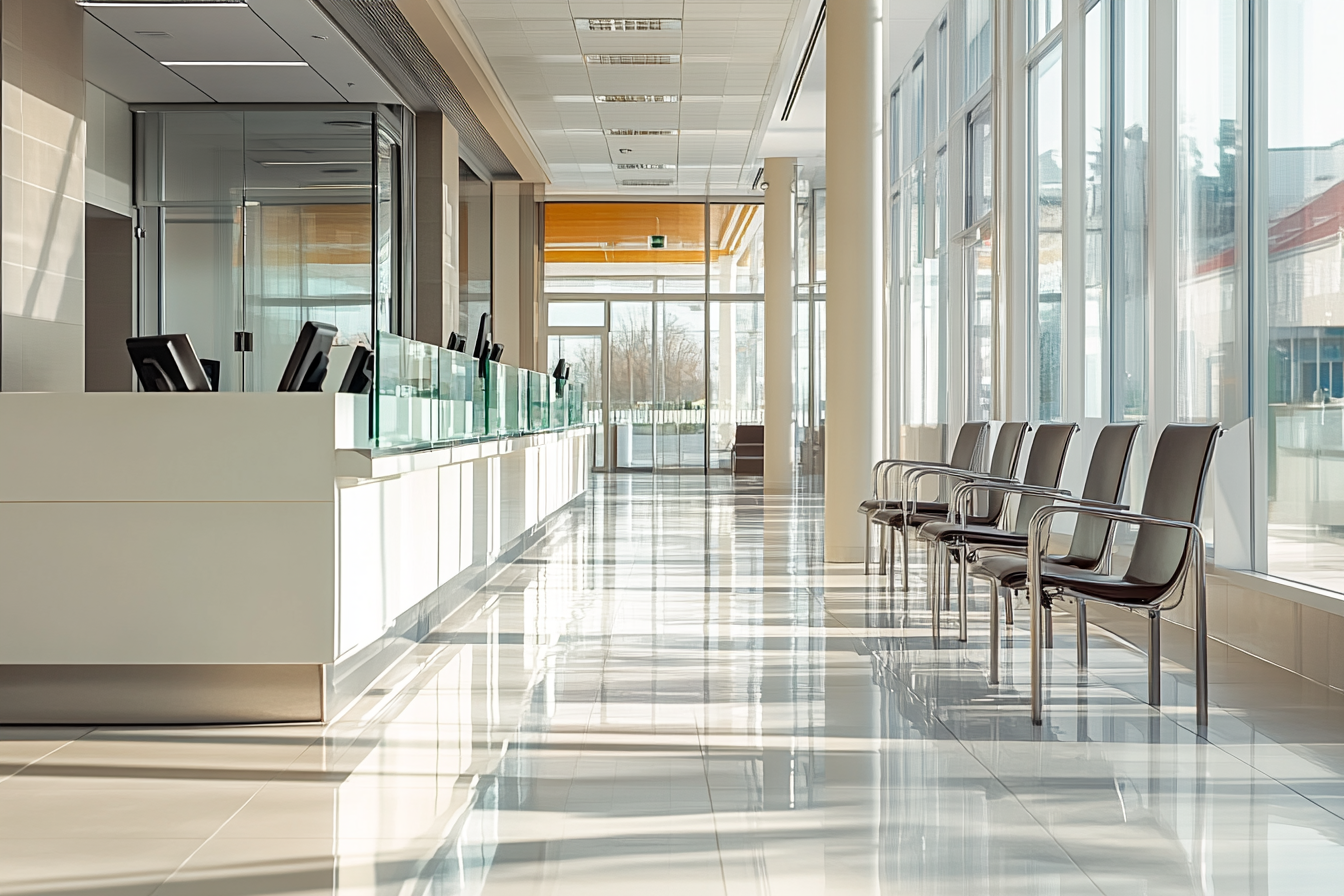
1003 463
1105 481
1045 466
967 448
1175 491
749 434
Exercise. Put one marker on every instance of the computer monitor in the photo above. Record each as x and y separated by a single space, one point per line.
167 363
307 366
482 349
212 369
359 375
560 372
496 351
455 342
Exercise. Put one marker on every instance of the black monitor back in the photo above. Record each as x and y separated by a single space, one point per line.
482 349
359 375
167 363
307 367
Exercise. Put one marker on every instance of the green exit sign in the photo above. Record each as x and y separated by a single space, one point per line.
658 241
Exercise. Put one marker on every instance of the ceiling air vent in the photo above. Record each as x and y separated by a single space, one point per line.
628 24
636 132
646 183
631 59
635 98
642 166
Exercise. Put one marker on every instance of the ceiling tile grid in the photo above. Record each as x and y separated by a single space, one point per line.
696 73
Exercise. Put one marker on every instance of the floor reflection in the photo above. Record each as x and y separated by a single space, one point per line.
673 694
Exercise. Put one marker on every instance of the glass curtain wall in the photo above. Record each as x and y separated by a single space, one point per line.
1302 210
1046 79
257 221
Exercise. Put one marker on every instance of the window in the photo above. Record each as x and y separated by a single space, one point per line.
980 331
1304 127
1210 377
1096 142
979 58
980 155
1129 214
894 139
914 125
942 85
1047 144
1046 14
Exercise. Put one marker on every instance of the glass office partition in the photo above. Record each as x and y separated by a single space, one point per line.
260 220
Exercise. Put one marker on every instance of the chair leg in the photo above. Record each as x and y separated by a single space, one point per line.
1201 648
1008 607
905 560
930 579
1048 623
935 606
1034 607
1082 634
995 594
963 592
867 545
946 571
1154 658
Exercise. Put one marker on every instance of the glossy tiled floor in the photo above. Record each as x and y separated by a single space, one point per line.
674 695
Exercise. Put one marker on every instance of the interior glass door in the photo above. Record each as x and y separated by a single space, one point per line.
630 415
679 415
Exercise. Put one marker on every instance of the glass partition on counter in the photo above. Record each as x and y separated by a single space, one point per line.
426 396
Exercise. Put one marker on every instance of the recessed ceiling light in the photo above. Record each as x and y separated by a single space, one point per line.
636 132
625 151
153 34
340 170
198 63
635 98
631 59
628 24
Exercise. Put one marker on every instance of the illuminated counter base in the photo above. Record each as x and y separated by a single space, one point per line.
231 558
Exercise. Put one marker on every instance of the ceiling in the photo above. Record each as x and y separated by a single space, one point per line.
127 46
715 77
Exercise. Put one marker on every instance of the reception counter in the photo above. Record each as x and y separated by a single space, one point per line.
238 557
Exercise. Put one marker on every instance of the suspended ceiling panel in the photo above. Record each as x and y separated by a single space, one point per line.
713 71
126 48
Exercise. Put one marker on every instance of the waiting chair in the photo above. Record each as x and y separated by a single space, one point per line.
1168 554
952 536
965 455
1002 557
910 515
748 450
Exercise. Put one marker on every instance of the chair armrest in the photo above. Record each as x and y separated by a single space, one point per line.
1038 532
883 469
960 499
912 477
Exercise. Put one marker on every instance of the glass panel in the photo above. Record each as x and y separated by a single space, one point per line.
473 251
942 85
576 314
1045 16
980 315
737 248
980 183
819 236
925 400
940 201
1210 380
631 384
385 272
200 156
1306 342
894 139
1096 140
1129 176
680 384
202 282
1047 132
914 123
584 356
979 19
737 373
456 372
407 381
614 247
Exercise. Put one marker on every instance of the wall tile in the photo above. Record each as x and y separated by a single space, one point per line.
1315 634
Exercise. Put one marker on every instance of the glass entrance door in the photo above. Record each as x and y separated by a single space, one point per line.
679 355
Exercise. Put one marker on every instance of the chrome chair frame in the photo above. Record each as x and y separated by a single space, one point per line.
1193 567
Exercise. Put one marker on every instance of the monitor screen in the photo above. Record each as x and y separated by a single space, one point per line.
359 375
307 366
559 369
482 349
167 364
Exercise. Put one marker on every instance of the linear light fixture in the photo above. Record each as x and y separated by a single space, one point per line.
632 59
197 63
641 166
635 98
637 132
646 183
276 164
628 24
200 4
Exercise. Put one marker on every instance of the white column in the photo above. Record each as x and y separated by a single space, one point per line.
854 394
779 325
